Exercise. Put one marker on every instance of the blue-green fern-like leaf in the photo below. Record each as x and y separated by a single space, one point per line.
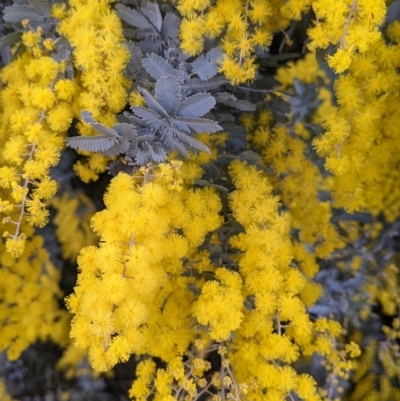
132 17
170 28
135 62
194 85
157 66
88 119
142 156
169 139
126 130
148 117
152 102
198 125
206 65
91 143
117 149
233 101
190 141
152 12
158 154
168 92
196 105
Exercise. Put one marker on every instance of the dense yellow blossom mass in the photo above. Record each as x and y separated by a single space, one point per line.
264 269
139 256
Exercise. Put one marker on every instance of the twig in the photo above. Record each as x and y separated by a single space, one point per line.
246 88
287 37
347 24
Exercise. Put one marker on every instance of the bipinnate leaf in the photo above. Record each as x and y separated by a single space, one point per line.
242 105
117 149
158 154
132 17
136 143
190 141
152 12
152 103
168 92
142 156
157 66
149 152
168 138
206 65
198 125
196 105
198 85
88 119
126 130
148 117
233 101
135 63
91 143
170 28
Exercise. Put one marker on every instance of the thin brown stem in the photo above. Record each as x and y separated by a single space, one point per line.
347 24
25 186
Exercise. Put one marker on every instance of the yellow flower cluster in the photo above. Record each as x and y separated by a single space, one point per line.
360 143
161 283
242 25
100 56
95 32
29 306
180 378
220 303
296 178
373 82
279 325
377 384
73 223
350 25
298 181
34 119
258 342
130 297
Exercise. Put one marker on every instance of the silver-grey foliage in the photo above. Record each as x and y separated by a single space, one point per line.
157 66
19 13
167 123
42 7
179 95
206 65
